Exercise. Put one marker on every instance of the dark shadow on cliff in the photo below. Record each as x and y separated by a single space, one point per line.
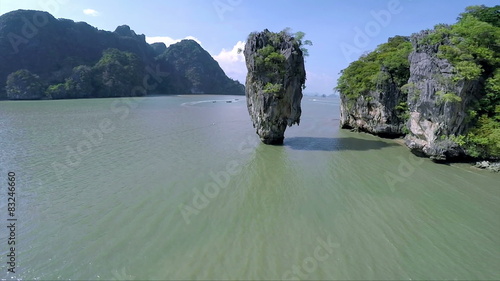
334 144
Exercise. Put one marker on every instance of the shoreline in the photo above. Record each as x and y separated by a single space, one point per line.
477 164
485 165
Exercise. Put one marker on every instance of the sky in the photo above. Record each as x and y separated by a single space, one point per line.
341 31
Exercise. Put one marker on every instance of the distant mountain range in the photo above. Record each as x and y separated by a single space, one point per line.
42 57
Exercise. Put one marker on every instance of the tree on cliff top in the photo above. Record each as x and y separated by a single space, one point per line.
490 15
269 59
23 84
471 46
117 73
298 37
388 61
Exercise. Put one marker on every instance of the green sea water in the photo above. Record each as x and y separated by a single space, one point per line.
180 188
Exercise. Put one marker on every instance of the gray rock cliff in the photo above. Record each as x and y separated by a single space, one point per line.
274 82
374 113
437 102
429 110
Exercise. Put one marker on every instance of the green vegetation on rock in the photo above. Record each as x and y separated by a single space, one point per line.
271 61
299 38
447 97
23 84
472 45
472 88
117 73
75 60
483 140
388 62
191 69
275 80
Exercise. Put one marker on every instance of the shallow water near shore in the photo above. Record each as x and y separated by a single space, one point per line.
180 187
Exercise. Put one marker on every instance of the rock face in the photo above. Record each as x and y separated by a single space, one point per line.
490 166
429 110
193 70
375 113
276 76
433 116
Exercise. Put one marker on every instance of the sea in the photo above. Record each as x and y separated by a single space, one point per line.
181 188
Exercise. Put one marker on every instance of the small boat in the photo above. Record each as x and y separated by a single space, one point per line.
229 101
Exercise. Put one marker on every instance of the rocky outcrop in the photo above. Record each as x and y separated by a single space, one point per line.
372 99
159 48
192 70
276 76
490 166
374 113
437 102
429 110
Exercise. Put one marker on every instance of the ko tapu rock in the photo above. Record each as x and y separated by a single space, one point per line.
275 79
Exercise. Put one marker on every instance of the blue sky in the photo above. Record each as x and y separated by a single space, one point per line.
341 31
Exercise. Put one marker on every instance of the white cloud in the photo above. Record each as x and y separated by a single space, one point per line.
168 40
233 63
91 12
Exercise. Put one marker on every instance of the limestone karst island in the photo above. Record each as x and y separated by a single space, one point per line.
439 89
275 79
249 140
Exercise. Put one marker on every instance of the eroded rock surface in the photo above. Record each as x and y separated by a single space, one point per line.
431 116
374 113
428 110
274 83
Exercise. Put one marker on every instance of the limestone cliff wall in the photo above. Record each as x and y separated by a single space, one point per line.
272 112
374 113
437 105
433 117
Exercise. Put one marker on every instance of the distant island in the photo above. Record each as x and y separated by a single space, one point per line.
42 57
439 89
